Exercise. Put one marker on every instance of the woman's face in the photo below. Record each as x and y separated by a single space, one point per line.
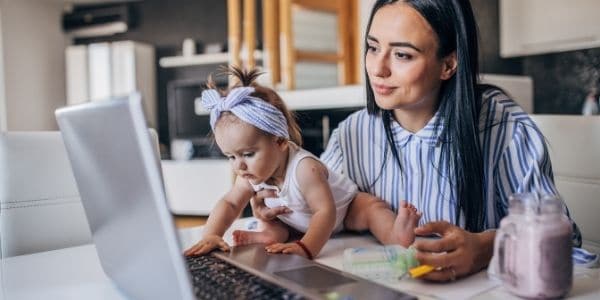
401 61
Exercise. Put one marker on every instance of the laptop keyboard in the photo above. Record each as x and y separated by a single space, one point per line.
214 278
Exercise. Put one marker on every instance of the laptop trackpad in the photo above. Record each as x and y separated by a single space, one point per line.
315 277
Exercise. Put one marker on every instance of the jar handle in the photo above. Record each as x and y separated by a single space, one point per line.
505 244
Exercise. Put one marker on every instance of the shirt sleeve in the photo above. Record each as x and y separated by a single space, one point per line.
332 157
525 167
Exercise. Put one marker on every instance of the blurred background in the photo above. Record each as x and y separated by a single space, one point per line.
61 52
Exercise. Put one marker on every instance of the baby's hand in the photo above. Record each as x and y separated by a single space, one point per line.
207 244
286 248
261 211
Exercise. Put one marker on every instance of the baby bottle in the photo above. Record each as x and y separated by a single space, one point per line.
533 247
379 262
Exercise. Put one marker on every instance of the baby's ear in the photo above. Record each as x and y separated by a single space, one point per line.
283 143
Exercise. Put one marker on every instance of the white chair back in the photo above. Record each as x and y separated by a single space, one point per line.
40 207
574 145
40 204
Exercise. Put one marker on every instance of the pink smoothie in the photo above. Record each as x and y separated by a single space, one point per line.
535 260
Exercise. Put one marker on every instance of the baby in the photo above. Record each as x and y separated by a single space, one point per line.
260 137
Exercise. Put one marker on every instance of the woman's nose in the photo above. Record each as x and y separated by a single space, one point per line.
380 67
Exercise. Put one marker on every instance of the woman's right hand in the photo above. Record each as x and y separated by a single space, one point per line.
207 244
261 211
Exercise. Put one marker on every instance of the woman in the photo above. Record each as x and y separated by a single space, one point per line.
432 136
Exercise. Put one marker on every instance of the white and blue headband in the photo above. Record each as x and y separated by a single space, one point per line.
251 110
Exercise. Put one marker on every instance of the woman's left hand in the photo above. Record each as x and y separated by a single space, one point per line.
456 254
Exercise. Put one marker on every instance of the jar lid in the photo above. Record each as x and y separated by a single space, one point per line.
550 204
523 203
532 203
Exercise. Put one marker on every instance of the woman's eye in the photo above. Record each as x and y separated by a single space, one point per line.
231 157
371 48
402 55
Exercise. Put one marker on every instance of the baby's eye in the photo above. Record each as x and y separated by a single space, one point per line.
230 157
248 154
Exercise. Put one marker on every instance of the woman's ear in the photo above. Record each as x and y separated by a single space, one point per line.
449 66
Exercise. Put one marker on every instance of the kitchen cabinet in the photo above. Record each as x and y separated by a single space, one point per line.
98 71
530 27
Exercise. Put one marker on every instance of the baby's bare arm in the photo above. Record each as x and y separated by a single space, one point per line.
312 178
222 216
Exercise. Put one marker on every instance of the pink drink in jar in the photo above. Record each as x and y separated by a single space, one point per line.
533 247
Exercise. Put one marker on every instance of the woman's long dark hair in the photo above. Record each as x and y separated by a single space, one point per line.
459 103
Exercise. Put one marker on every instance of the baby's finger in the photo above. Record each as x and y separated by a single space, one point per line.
196 250
206 248
265 193
274 247
192 249
272 213
223 246
288 249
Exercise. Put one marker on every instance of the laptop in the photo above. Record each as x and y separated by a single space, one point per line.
119 180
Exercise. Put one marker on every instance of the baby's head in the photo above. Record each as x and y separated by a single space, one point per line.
251 125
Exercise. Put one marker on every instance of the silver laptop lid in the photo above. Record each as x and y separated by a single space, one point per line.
120 186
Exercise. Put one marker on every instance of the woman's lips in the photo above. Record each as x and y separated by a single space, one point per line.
382 89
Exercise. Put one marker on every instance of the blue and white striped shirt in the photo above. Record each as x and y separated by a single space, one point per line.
514 153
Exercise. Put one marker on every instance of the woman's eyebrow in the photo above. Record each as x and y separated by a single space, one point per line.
396 44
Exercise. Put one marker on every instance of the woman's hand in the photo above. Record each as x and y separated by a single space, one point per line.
207 244
456 254
261 211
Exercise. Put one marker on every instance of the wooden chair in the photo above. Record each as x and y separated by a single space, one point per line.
346 13
279 53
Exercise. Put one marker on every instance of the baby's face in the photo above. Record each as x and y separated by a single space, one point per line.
253 154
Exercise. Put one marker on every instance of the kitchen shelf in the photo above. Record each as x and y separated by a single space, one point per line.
200 59
347 96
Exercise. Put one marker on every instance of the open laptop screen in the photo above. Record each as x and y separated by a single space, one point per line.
120 185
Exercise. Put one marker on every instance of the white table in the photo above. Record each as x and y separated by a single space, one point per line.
75 273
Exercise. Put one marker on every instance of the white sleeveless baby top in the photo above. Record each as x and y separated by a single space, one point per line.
342 189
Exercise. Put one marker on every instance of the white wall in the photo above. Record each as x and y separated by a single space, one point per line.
2 92
33 63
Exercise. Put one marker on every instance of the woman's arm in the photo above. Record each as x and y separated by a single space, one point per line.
222 216
456 254
333 156
525 167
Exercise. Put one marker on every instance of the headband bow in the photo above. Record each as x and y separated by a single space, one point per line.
251 110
